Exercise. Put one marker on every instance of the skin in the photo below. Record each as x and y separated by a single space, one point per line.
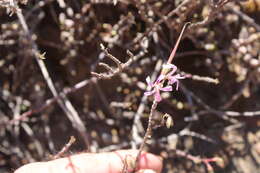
112 162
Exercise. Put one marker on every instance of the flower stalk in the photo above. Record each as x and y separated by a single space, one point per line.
154 88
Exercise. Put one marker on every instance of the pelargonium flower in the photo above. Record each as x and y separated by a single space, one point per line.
170 75
156 87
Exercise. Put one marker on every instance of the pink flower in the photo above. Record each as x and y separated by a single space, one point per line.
156 87
170 75
168 72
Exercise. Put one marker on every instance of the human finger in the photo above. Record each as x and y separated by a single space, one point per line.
112 162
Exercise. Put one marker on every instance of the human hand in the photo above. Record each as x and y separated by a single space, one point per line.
112 162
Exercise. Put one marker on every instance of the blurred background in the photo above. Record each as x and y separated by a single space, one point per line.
47 91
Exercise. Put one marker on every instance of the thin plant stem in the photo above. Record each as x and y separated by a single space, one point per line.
147 133
177 44
155 103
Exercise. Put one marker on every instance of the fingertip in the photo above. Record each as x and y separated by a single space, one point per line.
150 161
31 168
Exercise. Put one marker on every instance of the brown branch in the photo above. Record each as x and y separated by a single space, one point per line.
220 114
65 148
75 88
117 61
147 135
202 78
245 114
215 9
186 4
65 104
245 17
137 126
120 66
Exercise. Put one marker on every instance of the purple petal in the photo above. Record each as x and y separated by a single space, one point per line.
148 93
172 80
178 76
167 88
170 66
157 96
160 78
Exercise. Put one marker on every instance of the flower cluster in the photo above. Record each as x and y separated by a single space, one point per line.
168 74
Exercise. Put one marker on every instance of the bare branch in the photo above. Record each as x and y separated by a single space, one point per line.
66 104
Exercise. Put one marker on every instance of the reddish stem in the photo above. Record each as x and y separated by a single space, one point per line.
177 44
